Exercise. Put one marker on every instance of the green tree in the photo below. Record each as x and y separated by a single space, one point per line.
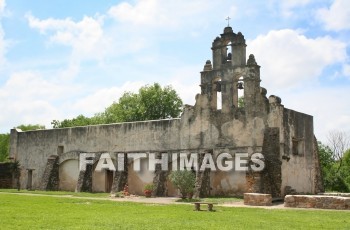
183 180
336 173
346 167
30 127
150 103
325 155
4 146
80 120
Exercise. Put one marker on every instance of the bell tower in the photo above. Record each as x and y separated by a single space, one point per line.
229 75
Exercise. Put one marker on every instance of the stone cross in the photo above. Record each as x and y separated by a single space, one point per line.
228 20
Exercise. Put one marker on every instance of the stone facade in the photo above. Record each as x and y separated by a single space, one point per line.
323 202
50 178
215 124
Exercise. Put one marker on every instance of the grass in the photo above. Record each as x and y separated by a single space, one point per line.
49 212
218 200
60 193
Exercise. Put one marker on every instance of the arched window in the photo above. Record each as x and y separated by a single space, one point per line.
218 95
229 52
240 92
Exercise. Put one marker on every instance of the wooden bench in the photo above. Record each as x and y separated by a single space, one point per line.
197 205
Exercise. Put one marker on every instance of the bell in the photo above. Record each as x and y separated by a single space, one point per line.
240 85
218 86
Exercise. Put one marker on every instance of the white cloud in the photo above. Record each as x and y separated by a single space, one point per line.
288 58
3 42
346 70
86 37
3 47
27 97
327 105
337 17
158 13
2 6
104 97
287 8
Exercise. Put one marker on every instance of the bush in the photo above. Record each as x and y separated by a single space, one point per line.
148 187
184 181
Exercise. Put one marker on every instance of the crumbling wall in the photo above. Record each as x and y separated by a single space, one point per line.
85 179
160 181
271 178
120 177
202 184
299 169
50 179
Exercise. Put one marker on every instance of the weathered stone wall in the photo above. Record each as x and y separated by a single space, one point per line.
257 199
121 177
298 157
50 180
35 147
271 179
323 202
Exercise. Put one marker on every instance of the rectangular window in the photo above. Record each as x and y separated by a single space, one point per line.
60 150
298 146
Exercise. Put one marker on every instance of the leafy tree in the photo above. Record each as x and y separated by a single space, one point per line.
4 146
150 103
30 127
335 171
346 167
80 120
184 180
325 155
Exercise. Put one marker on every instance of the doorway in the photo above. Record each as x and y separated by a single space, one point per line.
109 180
29 179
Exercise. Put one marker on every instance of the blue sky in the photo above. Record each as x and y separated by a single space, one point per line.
63 58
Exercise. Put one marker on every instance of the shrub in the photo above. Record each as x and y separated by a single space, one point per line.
148 187
184 181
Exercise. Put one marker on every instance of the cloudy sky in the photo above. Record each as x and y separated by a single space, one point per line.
61 58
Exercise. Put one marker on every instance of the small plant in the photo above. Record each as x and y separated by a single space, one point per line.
148 189
184 181
126 190
120 194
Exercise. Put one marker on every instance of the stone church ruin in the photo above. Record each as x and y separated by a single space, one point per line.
216 124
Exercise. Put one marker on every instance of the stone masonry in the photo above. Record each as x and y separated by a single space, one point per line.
319 201
257 199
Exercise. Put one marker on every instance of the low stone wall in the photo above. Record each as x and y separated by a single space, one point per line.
317 201
334 194
257 199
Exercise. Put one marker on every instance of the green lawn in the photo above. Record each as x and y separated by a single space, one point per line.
60 193
48 212
218 200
